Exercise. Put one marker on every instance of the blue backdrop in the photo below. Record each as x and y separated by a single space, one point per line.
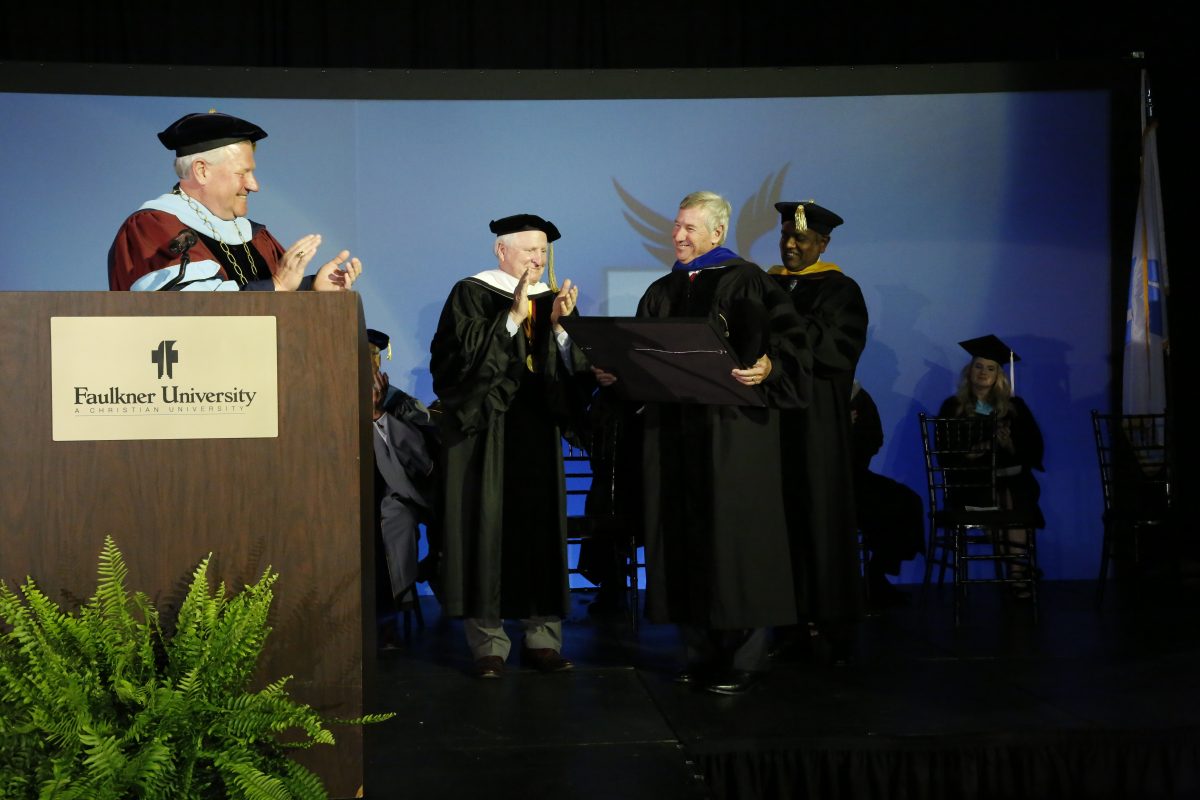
966 214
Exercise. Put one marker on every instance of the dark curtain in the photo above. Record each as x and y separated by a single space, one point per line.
562 34
1129 765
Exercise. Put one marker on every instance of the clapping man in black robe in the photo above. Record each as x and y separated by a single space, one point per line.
509 379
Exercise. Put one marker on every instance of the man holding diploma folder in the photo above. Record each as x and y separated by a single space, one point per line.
718 563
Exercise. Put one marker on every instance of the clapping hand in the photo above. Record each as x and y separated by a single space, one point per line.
295 260
379 389
520 306
564 304
338 274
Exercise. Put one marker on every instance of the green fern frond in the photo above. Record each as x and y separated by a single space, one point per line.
56 787
191 611
302 781
276 687
365 719
104 758
151 769
110 702
259 717
238 637
111 599
245 780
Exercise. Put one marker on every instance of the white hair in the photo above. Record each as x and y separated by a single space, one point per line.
505 239
508 240
716 210
183 164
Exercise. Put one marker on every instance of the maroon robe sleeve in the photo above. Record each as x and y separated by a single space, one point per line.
141 247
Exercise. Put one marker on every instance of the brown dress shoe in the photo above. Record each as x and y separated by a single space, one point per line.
545 659
489 667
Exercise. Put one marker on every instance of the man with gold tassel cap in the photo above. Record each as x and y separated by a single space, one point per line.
508 379
818 441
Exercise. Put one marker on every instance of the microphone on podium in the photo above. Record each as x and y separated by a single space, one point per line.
184 240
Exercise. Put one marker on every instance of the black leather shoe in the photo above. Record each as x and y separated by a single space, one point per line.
693 674
734 681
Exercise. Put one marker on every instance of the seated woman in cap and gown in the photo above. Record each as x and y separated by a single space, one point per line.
197 238
985 390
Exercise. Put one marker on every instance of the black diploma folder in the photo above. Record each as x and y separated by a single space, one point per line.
662 360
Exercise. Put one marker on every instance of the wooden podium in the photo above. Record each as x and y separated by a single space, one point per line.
299 502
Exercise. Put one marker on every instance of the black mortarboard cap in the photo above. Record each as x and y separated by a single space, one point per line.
378 338
380 341
198 133
524 222
819 219
990 347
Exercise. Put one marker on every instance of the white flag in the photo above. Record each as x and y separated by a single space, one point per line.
1145 389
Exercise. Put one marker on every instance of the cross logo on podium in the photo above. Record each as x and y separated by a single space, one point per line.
165 356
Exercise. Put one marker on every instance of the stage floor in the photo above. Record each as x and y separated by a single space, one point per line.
1083 703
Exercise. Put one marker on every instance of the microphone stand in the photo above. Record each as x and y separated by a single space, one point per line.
180 246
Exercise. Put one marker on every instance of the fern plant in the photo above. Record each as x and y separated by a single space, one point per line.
107 704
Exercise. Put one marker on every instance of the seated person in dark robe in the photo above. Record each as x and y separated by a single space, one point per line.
509 380
984 390
891 516
404 440
197 237
718 563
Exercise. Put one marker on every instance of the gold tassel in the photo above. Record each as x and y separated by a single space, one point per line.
529 336
801 219
553 281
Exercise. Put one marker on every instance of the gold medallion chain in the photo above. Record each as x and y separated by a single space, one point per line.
237 268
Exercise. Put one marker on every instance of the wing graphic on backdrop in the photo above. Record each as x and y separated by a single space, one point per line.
654 227
756 218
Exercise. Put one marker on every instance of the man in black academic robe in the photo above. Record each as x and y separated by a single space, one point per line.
508 379
817 441
717 561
